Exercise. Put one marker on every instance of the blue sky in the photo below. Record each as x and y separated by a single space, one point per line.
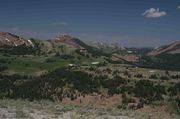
133 23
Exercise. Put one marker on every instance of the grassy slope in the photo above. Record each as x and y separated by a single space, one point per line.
31 65
36 64
47 109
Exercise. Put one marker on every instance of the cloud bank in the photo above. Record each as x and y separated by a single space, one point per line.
154 13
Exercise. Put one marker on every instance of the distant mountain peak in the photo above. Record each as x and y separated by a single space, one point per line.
100 45
66 39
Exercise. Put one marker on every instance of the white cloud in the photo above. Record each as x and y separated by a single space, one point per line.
154 13
179 7
61 23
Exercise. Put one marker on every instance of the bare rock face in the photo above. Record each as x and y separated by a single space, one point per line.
10 39
126 57
173 48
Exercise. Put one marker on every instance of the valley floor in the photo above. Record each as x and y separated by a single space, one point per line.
12 109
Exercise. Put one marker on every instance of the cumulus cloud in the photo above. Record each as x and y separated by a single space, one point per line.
61 23
154 13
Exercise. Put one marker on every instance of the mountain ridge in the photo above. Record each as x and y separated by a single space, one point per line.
10 39
172 48
66 39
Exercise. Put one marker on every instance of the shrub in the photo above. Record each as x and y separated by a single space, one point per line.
3 68
49 60
147 90
153 76
164 78
138 76
175 76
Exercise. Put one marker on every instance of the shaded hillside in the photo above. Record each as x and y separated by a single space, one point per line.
163 61
166 57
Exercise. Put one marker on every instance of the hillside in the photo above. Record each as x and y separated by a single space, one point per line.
126 57
66 39
68 71
62 44
68 47
10 39
165 57
14 44
119 86
173 48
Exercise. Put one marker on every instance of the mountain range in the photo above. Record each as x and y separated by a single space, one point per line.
11 39
66 44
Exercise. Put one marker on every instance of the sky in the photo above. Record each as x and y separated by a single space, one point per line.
132 23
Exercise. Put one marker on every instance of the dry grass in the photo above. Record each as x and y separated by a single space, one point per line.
54 110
